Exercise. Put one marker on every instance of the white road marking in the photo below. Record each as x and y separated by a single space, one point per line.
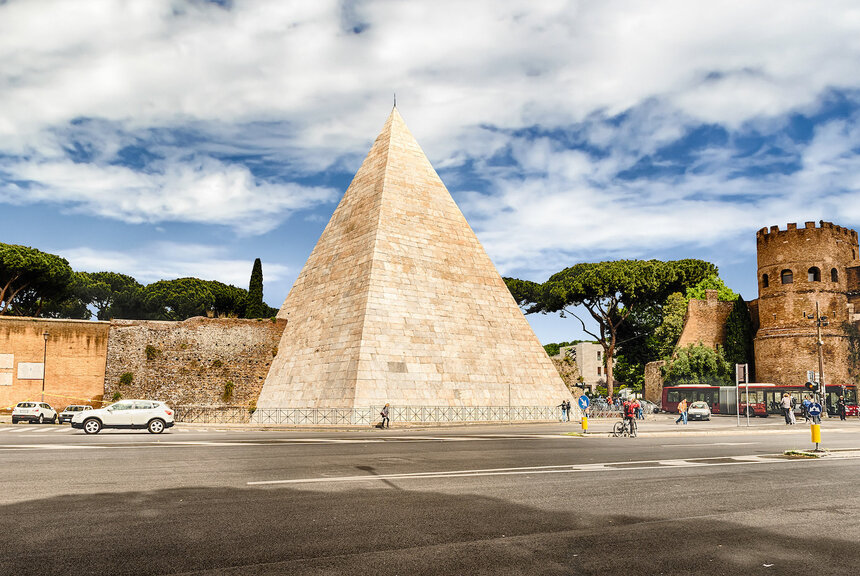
5 429
691 444
38 430
46 447
601 467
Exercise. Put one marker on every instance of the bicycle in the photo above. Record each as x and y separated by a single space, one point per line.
623 429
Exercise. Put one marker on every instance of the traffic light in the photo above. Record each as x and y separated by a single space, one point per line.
813 387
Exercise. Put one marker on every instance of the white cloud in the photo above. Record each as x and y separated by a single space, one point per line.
290 83
169 260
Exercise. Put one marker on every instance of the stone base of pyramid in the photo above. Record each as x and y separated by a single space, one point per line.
406 415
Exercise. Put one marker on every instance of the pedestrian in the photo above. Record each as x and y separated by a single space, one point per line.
386 422
804 407
791 410
639 414
840 407
682 410
563 407
785 403
567 411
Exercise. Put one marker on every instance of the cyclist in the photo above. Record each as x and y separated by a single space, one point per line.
630 408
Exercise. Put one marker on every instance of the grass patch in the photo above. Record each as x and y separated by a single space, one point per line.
804 454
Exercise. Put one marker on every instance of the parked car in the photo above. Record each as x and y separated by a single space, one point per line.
33 412
149 414
699 411
66 415
649 407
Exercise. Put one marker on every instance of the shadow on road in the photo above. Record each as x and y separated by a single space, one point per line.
373 531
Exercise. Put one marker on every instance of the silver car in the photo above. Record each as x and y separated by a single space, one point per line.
699 410
66 415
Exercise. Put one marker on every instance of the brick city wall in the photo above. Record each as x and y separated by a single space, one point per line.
74 357
191 362
705 321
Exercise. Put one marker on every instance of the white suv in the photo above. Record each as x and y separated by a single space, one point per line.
149 414
33 412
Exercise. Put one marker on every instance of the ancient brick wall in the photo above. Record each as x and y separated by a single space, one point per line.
74 360
191 362
705 321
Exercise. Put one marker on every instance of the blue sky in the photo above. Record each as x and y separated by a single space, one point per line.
174 138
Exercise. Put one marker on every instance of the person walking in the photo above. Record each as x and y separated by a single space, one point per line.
785 403
840 407
804 407
682 411
386 422
563 407
567 411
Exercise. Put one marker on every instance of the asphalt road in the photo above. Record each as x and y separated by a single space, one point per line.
476 500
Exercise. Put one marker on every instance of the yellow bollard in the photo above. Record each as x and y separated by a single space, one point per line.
585 423
816 434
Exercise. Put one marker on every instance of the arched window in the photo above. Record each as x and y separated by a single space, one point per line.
814 275
787 277
764 281
834 275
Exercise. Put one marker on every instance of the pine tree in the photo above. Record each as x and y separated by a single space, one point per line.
256 308
739 335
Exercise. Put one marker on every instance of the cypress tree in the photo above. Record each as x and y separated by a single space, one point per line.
256 308
739 335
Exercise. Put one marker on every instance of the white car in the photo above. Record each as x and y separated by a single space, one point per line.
699 411
149 414
33 412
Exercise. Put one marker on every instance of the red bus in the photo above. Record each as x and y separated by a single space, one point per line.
763 398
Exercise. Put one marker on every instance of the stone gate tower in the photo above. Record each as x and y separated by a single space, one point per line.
399 303
798 267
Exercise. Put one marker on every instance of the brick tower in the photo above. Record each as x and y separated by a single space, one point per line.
399 303
798 267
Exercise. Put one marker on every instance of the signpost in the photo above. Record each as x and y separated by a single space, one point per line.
583 404
742 376
814 410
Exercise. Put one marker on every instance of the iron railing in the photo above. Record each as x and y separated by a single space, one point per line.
366 416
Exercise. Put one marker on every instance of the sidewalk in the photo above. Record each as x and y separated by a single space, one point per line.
659 425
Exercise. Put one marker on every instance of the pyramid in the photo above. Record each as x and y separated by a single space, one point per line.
399 303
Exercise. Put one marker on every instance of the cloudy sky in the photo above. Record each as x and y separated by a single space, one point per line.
169 138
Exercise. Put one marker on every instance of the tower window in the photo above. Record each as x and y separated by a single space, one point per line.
764 281
834 275
787 277
814 275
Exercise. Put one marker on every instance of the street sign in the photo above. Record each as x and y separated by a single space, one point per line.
583 402
740 373
814 409
811 376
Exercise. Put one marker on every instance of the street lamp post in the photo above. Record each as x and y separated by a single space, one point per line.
819 322
44 360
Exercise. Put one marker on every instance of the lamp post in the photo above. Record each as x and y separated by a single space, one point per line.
819 322
44 360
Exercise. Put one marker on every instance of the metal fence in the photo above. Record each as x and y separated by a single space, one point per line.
367 416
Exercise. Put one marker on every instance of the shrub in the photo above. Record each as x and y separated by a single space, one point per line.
252 407
217 364
228 390
116 396
274 351
126 378
152 352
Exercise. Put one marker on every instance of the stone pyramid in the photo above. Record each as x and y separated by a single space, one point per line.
399 303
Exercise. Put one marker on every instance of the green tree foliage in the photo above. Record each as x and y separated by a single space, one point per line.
610 292
712 282
667 333
698 364
187 297
29 279
113 295
553 348
256 307
739 335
